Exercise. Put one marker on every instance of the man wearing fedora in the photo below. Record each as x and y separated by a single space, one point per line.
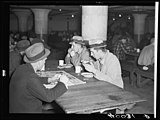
78 52
15 56
26 90
107 66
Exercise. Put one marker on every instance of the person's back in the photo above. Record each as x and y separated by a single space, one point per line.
15 59
18 88
147 55
27 90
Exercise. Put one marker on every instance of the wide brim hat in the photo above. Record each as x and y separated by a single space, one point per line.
22 45
77 39
35 53
97 44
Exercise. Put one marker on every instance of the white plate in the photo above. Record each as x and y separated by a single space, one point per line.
87 74
68 66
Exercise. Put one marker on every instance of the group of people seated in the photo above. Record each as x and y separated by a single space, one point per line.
26 90
122 43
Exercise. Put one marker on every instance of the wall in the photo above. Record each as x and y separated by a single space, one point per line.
13 23
59 23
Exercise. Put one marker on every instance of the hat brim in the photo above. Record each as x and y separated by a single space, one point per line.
47 52
77 42
97 46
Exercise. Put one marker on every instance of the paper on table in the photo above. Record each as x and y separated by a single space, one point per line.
72 80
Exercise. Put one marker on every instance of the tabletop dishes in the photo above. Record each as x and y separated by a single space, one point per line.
87 74
65 66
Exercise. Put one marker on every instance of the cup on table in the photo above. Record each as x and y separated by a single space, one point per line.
78 69
61 62
138 50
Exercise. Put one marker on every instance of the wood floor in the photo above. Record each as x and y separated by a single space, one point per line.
146 92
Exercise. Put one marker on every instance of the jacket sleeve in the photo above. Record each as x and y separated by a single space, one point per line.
44 80
75 60
85 56
113 76
37 89
67 59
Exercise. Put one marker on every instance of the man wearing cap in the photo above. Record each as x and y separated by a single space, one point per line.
15 56
78 52
107 66
27 89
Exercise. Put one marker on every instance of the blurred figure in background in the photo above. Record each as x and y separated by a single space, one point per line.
146 58
124 45
15 56
145 40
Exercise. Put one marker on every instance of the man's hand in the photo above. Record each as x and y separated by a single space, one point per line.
89 67
54 78
64 79
71 52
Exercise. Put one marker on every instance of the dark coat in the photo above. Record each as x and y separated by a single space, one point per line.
26 91
15 59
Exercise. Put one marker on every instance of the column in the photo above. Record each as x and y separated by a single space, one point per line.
41 23
94 22
139 22
151 23
22 15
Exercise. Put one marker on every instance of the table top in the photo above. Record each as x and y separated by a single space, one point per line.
94 95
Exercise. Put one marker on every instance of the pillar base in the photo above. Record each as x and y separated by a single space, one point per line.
136 39
45 38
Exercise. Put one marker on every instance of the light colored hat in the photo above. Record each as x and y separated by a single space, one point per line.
22 45
77 39
35 53
94 43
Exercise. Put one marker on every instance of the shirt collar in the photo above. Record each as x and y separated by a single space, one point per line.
103 59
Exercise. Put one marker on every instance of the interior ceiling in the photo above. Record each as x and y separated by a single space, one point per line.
68 10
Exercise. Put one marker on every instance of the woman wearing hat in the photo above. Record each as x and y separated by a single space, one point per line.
78 52
26 90
107 66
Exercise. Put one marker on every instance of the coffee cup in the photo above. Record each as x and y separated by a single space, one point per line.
78 69
61 62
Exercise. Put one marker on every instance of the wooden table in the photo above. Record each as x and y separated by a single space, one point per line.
95 96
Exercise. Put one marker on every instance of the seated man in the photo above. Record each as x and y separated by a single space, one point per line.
78 52
146 58
122 46
15 56
26 90
107 67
